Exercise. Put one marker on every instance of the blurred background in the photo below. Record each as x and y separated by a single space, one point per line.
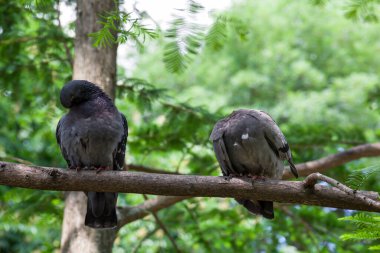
313 65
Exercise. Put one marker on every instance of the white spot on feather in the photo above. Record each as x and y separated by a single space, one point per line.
244 136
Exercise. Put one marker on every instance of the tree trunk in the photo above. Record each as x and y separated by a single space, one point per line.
97 65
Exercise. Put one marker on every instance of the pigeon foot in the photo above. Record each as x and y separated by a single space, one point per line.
101 168
77 168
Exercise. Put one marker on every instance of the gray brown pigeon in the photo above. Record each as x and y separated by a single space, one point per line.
249 143
93 135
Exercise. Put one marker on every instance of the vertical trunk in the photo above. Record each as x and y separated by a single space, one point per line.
97 65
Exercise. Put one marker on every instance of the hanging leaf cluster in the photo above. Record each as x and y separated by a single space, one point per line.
119 27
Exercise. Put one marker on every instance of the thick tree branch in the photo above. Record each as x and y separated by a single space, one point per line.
325 163
180 185
304 169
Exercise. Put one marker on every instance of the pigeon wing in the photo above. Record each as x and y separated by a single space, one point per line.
277 142
58 137
220 149
119 154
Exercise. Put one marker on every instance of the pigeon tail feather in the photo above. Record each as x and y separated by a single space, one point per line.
101 210
264 208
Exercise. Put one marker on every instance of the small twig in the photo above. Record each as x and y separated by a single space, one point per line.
143 168
310 230
197 227
139 244
180 162
129 214
143 14
184 153
16 159
335 160
19 40
163 227
311 180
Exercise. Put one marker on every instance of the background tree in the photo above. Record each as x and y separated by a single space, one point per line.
319 80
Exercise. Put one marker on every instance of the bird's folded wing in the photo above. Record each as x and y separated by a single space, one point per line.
58 137
119 154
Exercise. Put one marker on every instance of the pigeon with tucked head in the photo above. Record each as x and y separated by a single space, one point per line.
93 135
249 143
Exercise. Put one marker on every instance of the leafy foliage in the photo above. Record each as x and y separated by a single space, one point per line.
140 92
365 10
217 34
118 27
358 10
367 228
185 38
359 177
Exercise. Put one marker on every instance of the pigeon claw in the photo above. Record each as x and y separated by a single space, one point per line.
101 168
77 168
229 177
90 168
256 177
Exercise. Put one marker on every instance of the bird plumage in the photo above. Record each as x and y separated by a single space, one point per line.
93 134
249 142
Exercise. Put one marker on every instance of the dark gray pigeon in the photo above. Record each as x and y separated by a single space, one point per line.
249 143
93 135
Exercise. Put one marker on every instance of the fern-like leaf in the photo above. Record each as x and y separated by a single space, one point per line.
174 59
367 228
184 39
119 27
319 2
362 220
357 178
217 34
375 247
362 234
364 10
140 92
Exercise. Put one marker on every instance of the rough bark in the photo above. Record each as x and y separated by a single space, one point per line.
97 65
312 179
181 185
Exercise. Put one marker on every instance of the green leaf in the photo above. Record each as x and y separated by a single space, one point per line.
119 27
357 178
216 36
376 247
174 59
363 10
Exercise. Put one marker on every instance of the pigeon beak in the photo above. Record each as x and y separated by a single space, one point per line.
293 168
